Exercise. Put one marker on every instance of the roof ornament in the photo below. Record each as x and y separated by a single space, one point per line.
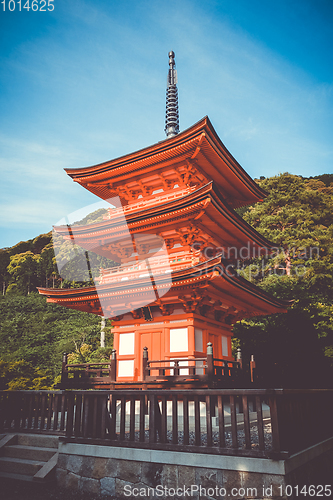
172 114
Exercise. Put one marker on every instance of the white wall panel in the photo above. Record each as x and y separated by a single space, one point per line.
126 368
126 343
178 339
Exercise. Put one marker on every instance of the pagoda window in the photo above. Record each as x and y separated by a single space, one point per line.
126 343
225 349
198 340
178 339
126 368
158 191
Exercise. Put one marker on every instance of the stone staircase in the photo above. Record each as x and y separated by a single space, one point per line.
28 457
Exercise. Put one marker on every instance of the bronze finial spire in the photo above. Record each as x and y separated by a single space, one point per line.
172 115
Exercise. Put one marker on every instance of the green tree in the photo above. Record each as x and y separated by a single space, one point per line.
23 268
4 275
297 216
39 333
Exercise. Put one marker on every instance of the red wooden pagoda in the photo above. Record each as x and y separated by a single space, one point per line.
175 234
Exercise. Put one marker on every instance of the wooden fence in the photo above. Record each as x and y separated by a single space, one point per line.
252 422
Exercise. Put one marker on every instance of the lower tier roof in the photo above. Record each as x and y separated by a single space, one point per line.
210 283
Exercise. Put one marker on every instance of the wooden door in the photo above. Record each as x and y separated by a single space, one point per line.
152 340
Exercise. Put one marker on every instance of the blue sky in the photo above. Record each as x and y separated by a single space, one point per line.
86 83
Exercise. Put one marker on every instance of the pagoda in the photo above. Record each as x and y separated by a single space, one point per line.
174 232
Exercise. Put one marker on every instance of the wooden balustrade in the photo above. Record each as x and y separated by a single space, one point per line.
89 375
192 372
252 422
210 371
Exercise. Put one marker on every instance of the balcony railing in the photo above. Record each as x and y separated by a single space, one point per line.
149 201
200 371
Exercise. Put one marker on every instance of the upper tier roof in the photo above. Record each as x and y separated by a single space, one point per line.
198 148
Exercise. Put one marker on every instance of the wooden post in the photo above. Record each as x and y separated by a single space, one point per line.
145 363
64 371
239 357
113 367
252 368
210 361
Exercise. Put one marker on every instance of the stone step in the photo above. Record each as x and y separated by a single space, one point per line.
39 453
38 440
16 477
20 466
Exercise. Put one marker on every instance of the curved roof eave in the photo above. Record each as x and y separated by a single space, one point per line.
204 126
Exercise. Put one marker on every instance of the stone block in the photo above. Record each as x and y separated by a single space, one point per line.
252 480
137 490
61 477
62 461
99 469
129 471
111 467
151 474
186 475
74 463
120 488
89 486
274 481
93 467
87 466
170 476
207 478
231 479
108 486
72 482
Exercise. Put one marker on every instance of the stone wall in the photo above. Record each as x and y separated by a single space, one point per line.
118 473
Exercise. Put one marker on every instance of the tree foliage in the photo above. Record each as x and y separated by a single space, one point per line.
36 334
297 216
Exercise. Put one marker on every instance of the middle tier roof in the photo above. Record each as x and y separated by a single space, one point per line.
201 216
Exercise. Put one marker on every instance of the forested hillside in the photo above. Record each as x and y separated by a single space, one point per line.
293 349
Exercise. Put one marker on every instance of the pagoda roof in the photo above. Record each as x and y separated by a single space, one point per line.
198 145
212 278
204 207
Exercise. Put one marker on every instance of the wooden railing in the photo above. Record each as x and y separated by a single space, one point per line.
192 372
252 422
149 200
88 375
